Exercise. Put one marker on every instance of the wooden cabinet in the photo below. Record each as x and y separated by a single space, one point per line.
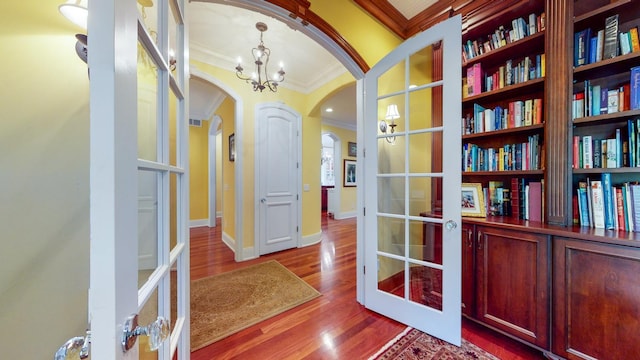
596 306
505 281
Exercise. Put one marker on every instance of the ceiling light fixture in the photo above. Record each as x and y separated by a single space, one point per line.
392 114
76 11
260 79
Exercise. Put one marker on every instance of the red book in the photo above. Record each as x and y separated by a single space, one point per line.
576 152
515 198
535 201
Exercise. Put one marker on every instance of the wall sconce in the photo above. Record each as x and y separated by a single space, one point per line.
76 11
392 115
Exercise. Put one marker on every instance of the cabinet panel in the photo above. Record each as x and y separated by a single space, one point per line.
597 300
468 271
512 283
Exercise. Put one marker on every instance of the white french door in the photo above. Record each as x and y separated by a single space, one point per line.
139 257
412 117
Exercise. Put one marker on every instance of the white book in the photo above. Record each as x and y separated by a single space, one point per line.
597 204
587 152
612 154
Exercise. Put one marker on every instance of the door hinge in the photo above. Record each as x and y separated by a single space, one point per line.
297 165
364 152
364 270
364 211
297 228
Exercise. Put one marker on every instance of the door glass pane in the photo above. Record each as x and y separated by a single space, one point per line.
391 235
147 224
391 156
173 210
420 67
149 15
391 115
173 32
425 108
147 106
391 195
425 239
391 276
421 152
148 314
173 128
425 286
420 196
392 80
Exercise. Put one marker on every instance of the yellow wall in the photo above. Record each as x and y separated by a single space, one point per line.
44 157
199 172
226 111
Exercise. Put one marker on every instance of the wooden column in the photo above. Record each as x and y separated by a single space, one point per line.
557 113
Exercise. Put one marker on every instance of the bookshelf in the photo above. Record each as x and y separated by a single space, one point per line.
607 81
504 123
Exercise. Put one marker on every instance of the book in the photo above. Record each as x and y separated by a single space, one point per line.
582 41
535 201
515 198
620 209
609 202
597 204
583 206
634 88
612 103
610 49
612 153
634 190
625 43
595 100
635 43
474 79
597 154
587 151
600 45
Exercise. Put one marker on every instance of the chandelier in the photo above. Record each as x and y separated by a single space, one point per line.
260 78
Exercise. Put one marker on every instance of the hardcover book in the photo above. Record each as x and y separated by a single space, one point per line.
610 49
635 205
609 203
597 204
634 98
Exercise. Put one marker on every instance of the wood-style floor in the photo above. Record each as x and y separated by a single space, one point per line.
333 326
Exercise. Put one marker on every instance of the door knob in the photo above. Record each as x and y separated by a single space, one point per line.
157 331
450 225
75 346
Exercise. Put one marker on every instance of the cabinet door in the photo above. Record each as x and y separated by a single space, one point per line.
513 284
468 271
596 301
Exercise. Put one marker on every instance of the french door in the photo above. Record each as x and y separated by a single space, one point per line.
138 178
412 117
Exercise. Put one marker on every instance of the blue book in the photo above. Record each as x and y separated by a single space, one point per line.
635 88
607 195
593 50
634 190
583 206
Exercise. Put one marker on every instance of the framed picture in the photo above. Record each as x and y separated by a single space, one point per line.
232 147
473 200
349 173
352 149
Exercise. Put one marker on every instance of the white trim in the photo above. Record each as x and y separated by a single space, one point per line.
311 239
340 124
341 215
239 162
360 191
229 241
249 253
198 223
390 342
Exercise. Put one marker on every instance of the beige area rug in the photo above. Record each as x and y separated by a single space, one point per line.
413 344
227 303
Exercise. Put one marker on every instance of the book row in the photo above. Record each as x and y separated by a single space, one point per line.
597 99
597 45
622 149
519 199
477 81
603 205
502 36
516 114
510 157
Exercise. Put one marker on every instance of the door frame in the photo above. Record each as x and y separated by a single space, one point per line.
213 171
259 124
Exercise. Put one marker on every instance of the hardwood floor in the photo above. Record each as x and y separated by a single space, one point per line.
333 326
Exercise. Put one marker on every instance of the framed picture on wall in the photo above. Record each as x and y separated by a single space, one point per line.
352 149
472 200
232 147
349 173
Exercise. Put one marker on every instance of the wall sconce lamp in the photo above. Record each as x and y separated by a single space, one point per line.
76 11
392 115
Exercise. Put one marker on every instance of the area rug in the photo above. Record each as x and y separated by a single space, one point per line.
413 344
227 303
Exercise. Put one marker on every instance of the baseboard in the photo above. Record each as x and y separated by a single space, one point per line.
345 215
219 214
311 239
198 223
249 253
229 241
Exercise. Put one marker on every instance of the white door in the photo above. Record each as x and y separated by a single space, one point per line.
139 149
412 182
278 177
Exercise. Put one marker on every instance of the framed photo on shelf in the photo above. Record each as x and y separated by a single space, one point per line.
473 200
232 147
349 173
352 149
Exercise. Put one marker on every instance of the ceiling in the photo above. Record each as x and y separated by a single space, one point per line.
220 34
